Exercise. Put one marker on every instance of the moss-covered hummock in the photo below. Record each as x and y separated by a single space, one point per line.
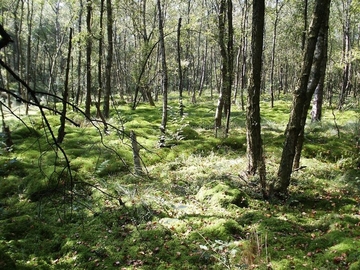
217 193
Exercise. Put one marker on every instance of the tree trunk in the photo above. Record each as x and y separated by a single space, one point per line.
178 45
226 52
79 70
295 125
28 75
244 55
88 58
164 72
316 111
318 72
305 15
255 155
101 56
346 81
273 50
108 59
61 132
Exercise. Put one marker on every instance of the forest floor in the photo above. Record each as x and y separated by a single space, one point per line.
192 208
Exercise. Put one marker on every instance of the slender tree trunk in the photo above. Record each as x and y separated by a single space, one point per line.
79 70
230 63
108 59
346 80
244 55
226 52
273 50
30 7
178 47
256 160
61 132
301 97
88 58
101 56
318 71
164 71
305 18
316 111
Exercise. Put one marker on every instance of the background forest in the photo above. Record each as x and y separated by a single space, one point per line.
158 134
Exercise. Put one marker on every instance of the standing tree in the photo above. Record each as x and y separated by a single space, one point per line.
256 160
65 94
346 77
226 33
301 99
317 74
100 56
164 72
88 58
273 49
109 57
178 48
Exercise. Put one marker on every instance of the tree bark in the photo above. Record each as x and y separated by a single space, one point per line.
273 51
109 27
164 72
101 56
226 52
178 48
61 132
256 160
346 77
316 111
295 125
79 69
88 58
317 74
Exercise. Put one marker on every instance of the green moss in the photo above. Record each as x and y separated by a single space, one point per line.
222 195
6 262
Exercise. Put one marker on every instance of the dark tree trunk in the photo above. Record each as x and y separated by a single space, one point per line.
109 27
256 161
88 59
300 100
61 132
316 111
346 80
318 72
226 51
101 56
273 51
305 15
164 72
79 70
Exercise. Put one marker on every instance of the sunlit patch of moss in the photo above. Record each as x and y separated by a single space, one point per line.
221 195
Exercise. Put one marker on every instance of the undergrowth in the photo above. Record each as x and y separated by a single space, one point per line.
191 209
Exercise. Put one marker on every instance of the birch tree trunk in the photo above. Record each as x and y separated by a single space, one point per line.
164 73
295 125
256 161
88 58
109 27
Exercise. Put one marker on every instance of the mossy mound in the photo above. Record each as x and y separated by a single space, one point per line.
24 132
221 229
220 194
187 133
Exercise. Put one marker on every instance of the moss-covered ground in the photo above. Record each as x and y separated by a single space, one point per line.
191 209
